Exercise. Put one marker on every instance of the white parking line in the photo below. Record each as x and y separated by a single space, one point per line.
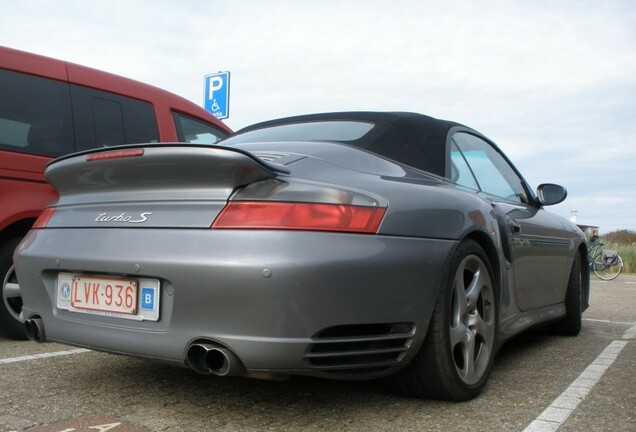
609 322
43 355
564 405
612 281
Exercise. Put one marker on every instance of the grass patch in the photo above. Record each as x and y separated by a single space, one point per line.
628 253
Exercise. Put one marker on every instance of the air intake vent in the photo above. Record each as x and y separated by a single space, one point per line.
270 156
278 157
361 346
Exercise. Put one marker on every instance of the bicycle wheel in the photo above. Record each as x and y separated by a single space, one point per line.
607 272
595 262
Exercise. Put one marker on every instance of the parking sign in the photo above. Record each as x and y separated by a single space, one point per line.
217 94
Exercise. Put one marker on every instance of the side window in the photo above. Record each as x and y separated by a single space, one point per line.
195 131
460 171
492 172
105 119
35 115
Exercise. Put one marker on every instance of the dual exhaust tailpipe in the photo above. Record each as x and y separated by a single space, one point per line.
35 329
206 358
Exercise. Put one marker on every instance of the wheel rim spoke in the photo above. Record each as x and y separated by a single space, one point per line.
474 289
459 300
457 335
11 290
469 359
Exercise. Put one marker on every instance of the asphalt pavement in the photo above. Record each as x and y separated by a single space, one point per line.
540 382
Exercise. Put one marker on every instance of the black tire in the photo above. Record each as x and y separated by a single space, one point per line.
571 324
457 355
11 322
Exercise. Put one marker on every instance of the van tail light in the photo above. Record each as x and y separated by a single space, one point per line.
299 216
43 220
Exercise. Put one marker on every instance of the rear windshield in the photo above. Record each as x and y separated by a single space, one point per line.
340 131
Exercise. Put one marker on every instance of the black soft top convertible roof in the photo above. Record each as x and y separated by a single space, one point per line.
412 139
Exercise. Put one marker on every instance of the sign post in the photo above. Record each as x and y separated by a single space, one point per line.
217 94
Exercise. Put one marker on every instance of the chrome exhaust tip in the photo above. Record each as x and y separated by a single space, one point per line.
206 359
35 329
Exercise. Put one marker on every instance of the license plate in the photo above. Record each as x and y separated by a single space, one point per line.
120 297
117 295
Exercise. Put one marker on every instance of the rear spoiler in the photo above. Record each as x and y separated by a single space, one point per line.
158 167
273 166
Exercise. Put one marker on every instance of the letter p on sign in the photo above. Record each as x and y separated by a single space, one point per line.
216 83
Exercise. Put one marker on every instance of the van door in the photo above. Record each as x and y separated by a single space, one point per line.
104 119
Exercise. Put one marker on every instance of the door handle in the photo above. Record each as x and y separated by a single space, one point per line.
515 228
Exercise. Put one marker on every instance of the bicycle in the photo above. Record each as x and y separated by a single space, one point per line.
606 264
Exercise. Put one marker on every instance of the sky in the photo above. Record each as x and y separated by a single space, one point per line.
552 82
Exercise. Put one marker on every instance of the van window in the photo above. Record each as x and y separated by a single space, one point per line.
109 122
35 115
105 119
196 132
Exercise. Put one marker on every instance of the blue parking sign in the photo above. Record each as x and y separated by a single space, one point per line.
217 94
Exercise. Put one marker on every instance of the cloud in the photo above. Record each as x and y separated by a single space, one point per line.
551 82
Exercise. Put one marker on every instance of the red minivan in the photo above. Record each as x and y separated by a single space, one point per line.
50 108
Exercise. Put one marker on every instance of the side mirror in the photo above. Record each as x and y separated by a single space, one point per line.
551 194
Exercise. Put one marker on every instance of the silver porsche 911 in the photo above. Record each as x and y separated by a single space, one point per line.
343 245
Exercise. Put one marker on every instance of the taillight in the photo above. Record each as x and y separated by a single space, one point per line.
300 216
114 154
44 218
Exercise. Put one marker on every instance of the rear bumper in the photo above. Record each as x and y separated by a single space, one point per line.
284 302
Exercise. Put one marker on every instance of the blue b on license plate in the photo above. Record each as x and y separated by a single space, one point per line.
121 297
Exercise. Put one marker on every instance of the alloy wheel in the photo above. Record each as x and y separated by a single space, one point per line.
472 320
